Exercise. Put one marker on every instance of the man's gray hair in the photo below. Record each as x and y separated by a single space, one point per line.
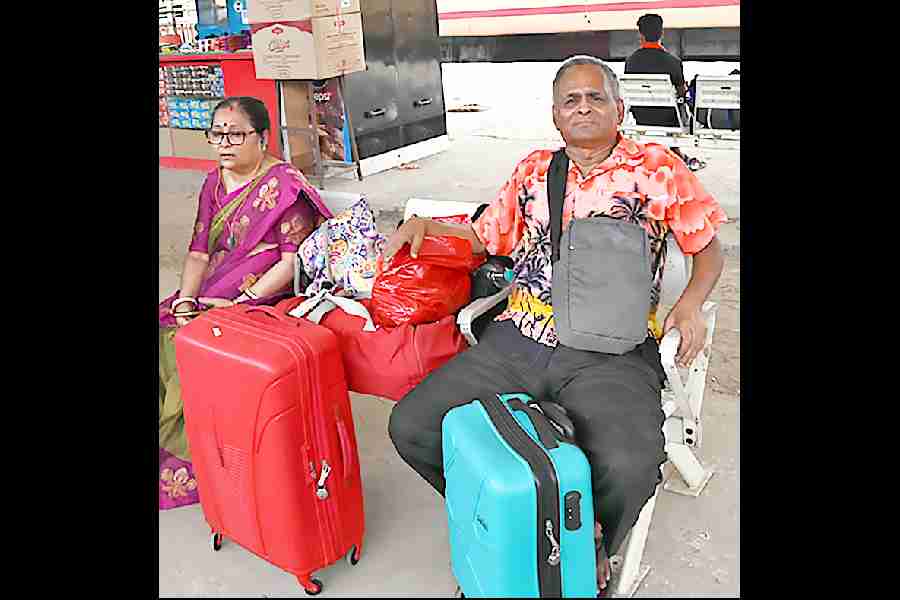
610 80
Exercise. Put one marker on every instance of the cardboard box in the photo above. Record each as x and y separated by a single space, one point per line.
310 49
269 11
298 117
190 143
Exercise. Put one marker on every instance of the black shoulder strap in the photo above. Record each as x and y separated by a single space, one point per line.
557 175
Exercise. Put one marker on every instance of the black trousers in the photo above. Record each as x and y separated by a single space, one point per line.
613 401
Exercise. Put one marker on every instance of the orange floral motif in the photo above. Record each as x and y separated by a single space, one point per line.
198 228
249 280
295 230
267 197
177 484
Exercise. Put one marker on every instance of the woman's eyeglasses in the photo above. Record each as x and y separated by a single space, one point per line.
235 138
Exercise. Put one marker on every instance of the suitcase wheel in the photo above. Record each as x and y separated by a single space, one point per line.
316 590
216 541
352 556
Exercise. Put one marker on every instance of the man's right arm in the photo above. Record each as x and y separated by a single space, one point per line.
498 230
414 230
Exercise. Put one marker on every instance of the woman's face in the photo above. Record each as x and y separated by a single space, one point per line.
233 153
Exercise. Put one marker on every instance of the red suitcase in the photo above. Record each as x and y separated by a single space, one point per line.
271 433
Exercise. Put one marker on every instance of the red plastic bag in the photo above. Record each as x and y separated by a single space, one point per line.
454 219
388 362
427 288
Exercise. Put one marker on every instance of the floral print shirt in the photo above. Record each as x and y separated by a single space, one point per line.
644 183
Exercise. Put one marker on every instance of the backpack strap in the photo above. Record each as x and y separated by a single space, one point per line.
557 175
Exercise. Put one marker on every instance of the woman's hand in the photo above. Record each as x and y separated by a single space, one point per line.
182 321
216 302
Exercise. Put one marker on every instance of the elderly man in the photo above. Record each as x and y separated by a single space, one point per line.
614 400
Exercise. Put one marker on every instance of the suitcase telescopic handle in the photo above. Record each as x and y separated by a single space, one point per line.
346 452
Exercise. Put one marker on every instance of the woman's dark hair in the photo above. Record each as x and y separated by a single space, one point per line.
651 27
254 109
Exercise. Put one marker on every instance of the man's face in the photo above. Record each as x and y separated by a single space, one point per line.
583 112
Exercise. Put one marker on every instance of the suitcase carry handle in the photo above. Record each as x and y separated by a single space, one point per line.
558 416
268 310
546 433
289 304
346 452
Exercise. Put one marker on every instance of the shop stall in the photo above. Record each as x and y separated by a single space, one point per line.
347 84
190 86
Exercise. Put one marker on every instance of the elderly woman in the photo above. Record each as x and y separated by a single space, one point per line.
254 212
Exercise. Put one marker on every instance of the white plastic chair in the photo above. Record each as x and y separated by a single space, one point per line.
655 90
722 92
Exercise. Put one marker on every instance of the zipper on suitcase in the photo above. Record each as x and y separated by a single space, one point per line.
549 572
321 490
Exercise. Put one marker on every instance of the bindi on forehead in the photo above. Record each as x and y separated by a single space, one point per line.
228 118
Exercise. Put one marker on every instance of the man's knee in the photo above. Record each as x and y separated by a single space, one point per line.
624 472
405 425
400 427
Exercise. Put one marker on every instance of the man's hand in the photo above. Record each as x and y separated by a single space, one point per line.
689 322
412 232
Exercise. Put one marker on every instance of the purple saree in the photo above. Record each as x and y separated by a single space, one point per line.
270 215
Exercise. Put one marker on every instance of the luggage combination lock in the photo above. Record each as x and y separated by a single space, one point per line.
321 492
553 559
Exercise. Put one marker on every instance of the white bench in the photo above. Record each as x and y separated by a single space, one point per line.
653 90
722 92
681 401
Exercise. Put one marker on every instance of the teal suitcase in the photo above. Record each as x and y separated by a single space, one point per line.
519 503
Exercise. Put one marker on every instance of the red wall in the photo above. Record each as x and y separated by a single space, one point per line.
240 80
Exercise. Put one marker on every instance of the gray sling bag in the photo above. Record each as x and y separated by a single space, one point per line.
601 275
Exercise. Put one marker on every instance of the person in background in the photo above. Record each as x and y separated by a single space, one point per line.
652 58
253 213
614 400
